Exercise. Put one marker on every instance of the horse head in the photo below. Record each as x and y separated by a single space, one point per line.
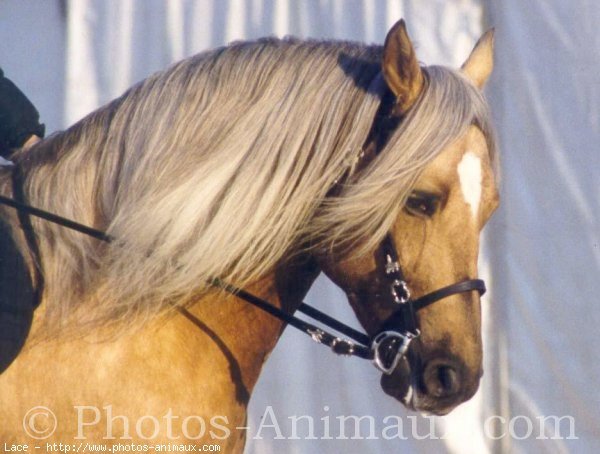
436 237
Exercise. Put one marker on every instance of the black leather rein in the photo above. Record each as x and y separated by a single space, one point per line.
359 346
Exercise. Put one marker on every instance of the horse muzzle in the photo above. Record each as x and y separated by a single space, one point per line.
431 383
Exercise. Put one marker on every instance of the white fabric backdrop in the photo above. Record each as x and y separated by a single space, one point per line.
546 238
544 254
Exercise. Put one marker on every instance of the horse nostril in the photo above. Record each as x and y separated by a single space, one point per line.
441 380
448 379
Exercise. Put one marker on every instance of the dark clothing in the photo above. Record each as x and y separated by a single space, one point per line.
19 120
17 299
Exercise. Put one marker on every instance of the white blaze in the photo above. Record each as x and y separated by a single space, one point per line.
469 174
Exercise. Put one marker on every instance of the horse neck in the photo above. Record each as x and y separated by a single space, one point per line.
244 334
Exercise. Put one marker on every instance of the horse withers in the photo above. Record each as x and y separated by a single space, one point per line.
261 164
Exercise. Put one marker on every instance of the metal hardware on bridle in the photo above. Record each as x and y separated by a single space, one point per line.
338 345
400 292
398 288
391 344
392 341
389 347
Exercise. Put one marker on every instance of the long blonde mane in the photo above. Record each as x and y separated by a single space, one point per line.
220 166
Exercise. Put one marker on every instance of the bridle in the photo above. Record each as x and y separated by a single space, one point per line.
392 340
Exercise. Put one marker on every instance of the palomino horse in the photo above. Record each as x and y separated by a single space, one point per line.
261 163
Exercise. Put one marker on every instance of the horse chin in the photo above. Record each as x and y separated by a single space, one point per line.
400 384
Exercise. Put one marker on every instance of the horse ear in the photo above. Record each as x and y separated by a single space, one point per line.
480 63
401 69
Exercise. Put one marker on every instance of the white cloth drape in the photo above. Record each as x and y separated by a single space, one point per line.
543 250
546 238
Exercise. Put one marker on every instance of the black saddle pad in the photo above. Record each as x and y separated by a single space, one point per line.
16 299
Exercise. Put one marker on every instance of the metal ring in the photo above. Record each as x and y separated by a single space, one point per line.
398 284
405 340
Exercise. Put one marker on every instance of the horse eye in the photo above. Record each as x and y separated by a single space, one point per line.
421 204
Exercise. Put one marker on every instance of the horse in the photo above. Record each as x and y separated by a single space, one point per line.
262 164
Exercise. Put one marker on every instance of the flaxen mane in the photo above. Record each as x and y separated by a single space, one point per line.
220 166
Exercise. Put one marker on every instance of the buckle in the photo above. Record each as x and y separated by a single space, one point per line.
342 347
389 347
400 292
337 345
